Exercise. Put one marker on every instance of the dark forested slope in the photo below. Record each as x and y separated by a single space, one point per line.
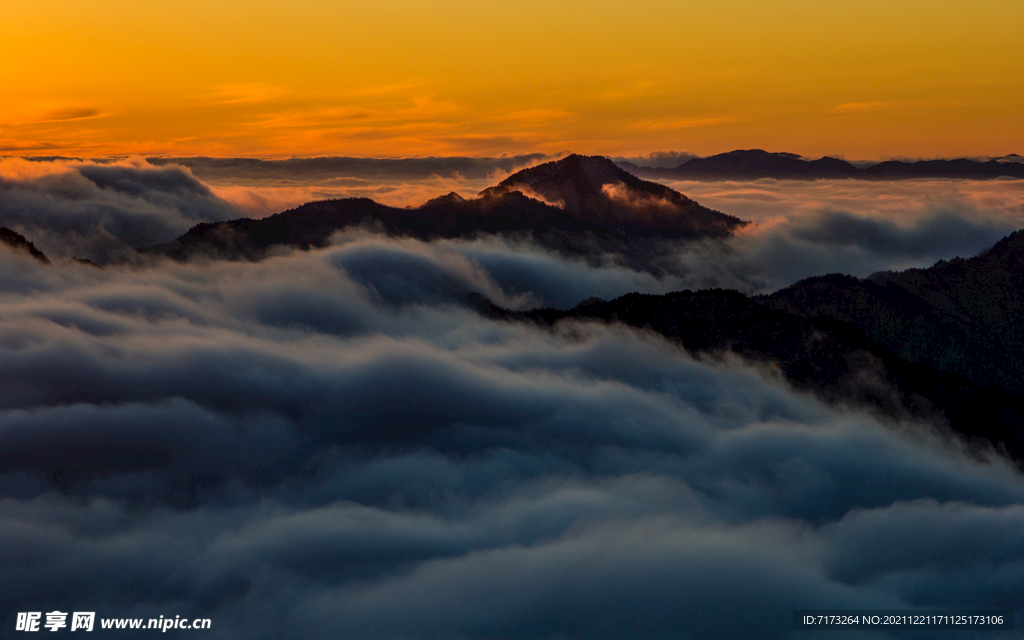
830 358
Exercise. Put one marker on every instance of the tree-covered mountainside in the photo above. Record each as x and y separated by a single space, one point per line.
963 316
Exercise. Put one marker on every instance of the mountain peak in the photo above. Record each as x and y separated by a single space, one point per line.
450 198
594 188
568 183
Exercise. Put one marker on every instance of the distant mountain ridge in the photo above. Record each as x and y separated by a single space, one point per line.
756 163
579 205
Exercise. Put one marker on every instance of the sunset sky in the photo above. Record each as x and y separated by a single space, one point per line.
271 78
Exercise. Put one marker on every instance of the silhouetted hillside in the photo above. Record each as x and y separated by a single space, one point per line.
830 358
752 164
593 209
961 316
19 242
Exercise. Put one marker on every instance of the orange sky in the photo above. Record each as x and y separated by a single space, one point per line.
461 77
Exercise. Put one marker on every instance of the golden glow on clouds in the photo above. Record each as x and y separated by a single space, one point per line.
410 77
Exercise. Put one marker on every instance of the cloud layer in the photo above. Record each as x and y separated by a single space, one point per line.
262 187
807 228
98 211
328 443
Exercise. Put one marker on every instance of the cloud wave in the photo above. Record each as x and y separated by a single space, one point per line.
100 211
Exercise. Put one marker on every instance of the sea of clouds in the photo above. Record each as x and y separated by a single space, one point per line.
100 211
330 444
